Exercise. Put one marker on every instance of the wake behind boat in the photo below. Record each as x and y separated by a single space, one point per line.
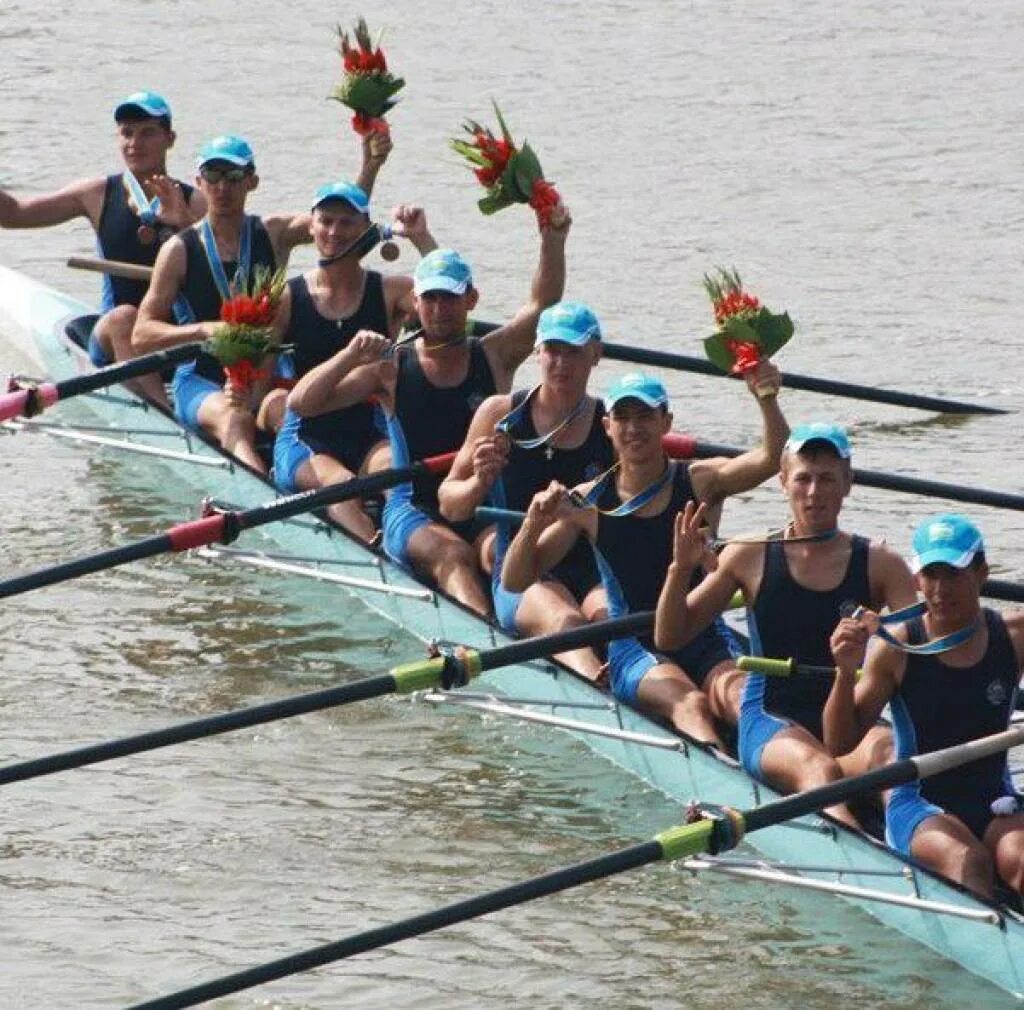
811 852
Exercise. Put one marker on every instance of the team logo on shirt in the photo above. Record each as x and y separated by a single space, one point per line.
593 470
996 692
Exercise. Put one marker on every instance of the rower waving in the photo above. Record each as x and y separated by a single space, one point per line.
631 527
795 586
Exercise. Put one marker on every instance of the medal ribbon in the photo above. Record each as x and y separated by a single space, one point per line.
932 648
628 507
243 271
148 209
513 417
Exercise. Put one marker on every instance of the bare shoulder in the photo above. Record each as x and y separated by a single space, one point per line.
743 563
891 580
1014 620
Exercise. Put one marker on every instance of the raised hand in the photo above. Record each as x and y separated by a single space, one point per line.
559 222
764 379
550 505
410 221
174 210
690 542
850 640
490 454
377 145
366 347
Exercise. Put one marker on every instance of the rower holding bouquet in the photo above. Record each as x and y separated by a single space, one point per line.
628 515
795 585
198 272
950 673
430 386
133 212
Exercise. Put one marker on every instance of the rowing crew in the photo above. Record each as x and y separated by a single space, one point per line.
638 537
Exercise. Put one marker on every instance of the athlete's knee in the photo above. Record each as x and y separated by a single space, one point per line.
1010 864
453 556
818 769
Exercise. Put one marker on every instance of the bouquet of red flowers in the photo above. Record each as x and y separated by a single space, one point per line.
747 331
368 87
247 334
510 174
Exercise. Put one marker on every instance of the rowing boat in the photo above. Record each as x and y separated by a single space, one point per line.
813 852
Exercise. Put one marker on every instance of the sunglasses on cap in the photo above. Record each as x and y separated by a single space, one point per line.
212 174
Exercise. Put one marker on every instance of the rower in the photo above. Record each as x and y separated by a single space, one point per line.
950 673
430 387
506 460
630 523
133 212
794 584
321 311
205 264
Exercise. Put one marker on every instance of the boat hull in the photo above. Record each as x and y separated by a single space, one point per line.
35 317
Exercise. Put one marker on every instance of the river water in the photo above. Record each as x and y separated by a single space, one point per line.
859 165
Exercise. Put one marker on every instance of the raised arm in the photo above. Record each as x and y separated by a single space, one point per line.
351 376
153 328
376 148
552 525
478 463
853 706
83 198
410 222
716 479
510 345
682 614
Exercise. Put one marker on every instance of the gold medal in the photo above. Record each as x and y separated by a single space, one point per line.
389 251
145 234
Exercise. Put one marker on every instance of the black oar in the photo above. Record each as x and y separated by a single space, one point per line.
898 482
687 363
447 671
708 835
223 527
35 399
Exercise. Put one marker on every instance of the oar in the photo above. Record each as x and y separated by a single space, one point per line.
35 399
447 671
887 481
709 835
687 363
116 268
223 527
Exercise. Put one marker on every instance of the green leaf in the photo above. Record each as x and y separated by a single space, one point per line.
714 348
773 330
527 171
737 329
494 201
505 132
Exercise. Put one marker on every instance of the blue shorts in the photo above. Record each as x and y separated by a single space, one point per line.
628 662
715 644
189 391
757 728
506 603
292 448
97 355
904 813
399 521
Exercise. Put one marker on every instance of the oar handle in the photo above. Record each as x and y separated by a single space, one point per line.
115 268
784 667
491 514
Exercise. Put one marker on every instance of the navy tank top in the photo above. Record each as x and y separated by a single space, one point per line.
531 470
794 621
639 548
315 339
117 238
435 419
940 706
201 290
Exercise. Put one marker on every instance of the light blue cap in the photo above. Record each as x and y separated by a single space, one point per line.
227 147
948 539
442 270
820 431
568 322
148 102
352 194
637 386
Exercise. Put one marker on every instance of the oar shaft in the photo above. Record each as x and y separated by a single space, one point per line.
145 365
898 482
461 911
196 729
587 634
116 268
688 363
1000 589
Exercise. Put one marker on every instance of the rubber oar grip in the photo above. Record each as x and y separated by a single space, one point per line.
27 401
761 664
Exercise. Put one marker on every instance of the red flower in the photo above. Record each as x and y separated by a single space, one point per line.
544 200
244 373
745 355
